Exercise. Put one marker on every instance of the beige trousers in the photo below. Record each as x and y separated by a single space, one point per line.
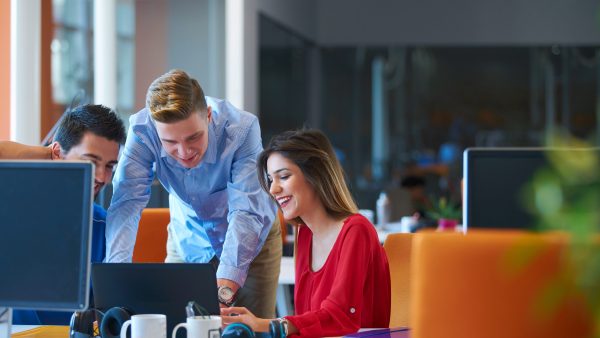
258 292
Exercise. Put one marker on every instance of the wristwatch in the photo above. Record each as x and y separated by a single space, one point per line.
278 328
226 295
284 325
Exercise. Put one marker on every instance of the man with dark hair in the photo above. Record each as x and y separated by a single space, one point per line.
89 132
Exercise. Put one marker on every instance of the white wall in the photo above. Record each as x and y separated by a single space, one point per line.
196 42
25 72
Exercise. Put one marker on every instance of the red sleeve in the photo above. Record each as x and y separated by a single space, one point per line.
340 312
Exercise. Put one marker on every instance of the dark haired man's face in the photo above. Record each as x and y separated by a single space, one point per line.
101 151
186 141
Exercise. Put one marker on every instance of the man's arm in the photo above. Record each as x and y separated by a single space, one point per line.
251 213
14 150
131 192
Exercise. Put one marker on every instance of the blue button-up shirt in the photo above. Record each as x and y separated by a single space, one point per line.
217 208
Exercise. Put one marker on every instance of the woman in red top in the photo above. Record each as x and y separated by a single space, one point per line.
342 273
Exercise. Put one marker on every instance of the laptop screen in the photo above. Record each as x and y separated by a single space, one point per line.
158 288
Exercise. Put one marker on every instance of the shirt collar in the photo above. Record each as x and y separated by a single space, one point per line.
210 156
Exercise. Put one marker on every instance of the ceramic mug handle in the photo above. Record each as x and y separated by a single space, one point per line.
184 325
124 328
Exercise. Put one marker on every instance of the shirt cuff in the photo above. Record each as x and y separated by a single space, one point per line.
307 324
232 273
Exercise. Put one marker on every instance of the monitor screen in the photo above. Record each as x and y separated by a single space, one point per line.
45 229
494 181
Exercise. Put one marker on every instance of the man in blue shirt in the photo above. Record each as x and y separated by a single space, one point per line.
203 151
89 132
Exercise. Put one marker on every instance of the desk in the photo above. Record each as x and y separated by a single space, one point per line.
396 332
35 331
284 295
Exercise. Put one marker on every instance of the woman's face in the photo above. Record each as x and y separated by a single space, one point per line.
295 196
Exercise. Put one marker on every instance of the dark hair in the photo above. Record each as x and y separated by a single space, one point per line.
97 119
312 152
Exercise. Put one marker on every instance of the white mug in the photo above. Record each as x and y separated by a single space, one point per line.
201 327
146 326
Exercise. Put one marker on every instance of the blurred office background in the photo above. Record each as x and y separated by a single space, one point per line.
401 87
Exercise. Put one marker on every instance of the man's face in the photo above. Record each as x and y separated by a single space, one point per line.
187 140
103 152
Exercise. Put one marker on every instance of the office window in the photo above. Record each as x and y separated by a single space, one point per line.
71 46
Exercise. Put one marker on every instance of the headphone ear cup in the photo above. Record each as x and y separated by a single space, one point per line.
236 330
112 322
82 323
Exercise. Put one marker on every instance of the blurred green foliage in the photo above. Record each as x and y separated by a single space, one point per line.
565 196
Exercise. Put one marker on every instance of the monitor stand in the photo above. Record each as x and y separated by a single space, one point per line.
5 321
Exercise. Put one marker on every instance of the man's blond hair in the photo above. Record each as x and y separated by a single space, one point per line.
174 96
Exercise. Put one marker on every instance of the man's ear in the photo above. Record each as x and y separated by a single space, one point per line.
56 152
208 114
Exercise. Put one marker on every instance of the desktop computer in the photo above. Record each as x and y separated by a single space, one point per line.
495 180
45 227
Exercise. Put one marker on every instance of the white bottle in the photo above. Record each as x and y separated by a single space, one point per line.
383 210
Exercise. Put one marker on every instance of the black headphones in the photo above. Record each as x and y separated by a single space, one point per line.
113 320
84 324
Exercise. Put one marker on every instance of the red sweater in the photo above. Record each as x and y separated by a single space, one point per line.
350 291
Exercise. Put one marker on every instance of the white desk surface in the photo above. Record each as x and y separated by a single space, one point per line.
21 328
287 273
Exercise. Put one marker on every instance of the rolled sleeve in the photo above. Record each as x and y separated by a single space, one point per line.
251 212
131 185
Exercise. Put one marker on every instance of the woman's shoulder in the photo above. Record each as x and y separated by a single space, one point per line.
359 224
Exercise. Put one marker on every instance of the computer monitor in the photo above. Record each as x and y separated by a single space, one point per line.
45 230
494 179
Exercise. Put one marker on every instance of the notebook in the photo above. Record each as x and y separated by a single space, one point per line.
163 288
394 332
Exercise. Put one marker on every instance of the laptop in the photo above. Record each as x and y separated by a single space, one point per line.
163 288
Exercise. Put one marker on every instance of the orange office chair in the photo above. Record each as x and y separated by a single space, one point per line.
283 225
494 285
398 250
151 241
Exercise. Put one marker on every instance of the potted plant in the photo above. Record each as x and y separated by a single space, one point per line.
446 214
565 196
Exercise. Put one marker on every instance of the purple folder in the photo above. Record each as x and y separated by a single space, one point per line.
394 332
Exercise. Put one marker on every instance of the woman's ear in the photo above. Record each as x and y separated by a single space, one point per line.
55 151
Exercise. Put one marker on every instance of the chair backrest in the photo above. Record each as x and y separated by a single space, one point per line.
282 223
494 284
151 240
398 250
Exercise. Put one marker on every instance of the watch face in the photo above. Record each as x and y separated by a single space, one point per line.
225 293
